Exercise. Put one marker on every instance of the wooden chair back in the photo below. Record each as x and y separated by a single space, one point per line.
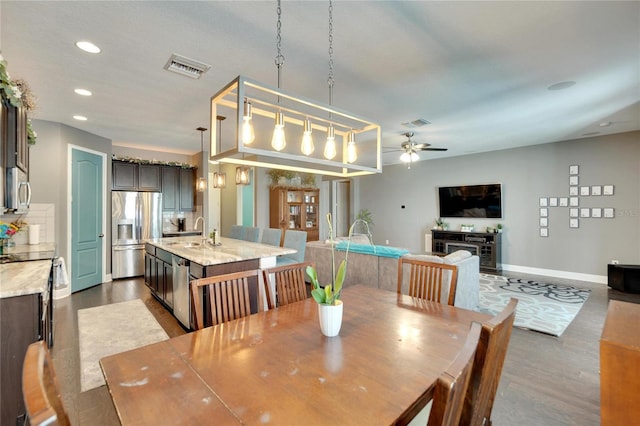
228 296
451 387
487 366
428 279
40 388
288 282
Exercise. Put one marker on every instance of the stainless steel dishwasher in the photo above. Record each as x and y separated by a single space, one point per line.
181 296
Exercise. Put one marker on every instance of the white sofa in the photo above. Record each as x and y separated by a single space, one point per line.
382 272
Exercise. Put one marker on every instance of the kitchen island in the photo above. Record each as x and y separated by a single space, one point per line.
171 263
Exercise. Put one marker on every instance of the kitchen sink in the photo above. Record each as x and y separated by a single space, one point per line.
189 245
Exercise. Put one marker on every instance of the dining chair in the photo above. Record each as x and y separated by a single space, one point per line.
227 295
40 388
251 233
428 280
271 236
487 366
237 232
296 240
288 282
445 409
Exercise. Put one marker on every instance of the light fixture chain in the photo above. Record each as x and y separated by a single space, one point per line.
279 57
331 80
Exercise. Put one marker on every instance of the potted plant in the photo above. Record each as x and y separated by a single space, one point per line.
499 228
365 217
278 177
328 297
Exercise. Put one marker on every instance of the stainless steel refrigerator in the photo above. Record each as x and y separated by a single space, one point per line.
136 217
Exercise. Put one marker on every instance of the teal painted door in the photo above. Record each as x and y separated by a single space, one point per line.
86 220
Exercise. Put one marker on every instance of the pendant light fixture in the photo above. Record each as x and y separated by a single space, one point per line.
219 178
248 134
243 176
264 106
278 141
201 184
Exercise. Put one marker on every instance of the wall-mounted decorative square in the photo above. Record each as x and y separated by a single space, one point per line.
544 212
543 202
574 201
564 201
596 212
573 180
544 232
586 212
608 212
584 190
607 190
573 223
553 202
573 190
596 190
544 221
573 170
574 212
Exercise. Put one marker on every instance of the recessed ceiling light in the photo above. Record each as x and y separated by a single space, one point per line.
562 85
87 46
83 92
80 117
605 124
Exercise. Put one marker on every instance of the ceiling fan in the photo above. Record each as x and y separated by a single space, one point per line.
410 149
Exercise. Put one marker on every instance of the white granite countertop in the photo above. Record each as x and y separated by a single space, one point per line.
230 250
31 248
21 278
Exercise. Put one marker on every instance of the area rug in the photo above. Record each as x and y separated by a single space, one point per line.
543 307
111 329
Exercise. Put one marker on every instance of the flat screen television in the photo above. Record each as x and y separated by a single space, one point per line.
471 201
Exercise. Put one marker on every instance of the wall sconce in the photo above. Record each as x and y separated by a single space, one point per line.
219 177
219 180
242 176
201 185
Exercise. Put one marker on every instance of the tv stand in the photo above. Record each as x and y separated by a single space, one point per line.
485 245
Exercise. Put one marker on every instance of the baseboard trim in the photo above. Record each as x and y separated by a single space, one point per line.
600 279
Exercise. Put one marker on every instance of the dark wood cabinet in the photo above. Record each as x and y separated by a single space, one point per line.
149 178
295 209
159 274
124 176
20 326
17 146
136 177
178 189
485 245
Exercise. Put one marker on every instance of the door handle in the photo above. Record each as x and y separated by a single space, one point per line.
101 236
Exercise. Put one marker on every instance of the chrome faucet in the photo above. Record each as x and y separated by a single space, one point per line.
204 228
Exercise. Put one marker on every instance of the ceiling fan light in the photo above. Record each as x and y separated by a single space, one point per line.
409 157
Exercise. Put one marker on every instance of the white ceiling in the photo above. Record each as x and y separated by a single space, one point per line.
478 71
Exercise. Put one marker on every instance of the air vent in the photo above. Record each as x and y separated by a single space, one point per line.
185 66
416 123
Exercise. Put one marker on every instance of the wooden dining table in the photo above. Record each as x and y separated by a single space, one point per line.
276 367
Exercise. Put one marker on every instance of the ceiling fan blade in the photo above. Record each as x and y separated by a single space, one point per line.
434 149
421 145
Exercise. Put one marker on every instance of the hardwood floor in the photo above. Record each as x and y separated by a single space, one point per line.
545 380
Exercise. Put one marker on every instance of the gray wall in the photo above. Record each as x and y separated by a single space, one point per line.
48 173
526 175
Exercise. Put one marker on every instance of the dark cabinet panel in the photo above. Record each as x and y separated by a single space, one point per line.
17 147
170 180
187 189
149 178
125 176
485 245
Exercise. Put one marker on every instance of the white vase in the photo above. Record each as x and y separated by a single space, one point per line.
330 317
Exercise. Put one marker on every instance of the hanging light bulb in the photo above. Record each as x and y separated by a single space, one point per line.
278 142
352 154
248 134
330 145
307 140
